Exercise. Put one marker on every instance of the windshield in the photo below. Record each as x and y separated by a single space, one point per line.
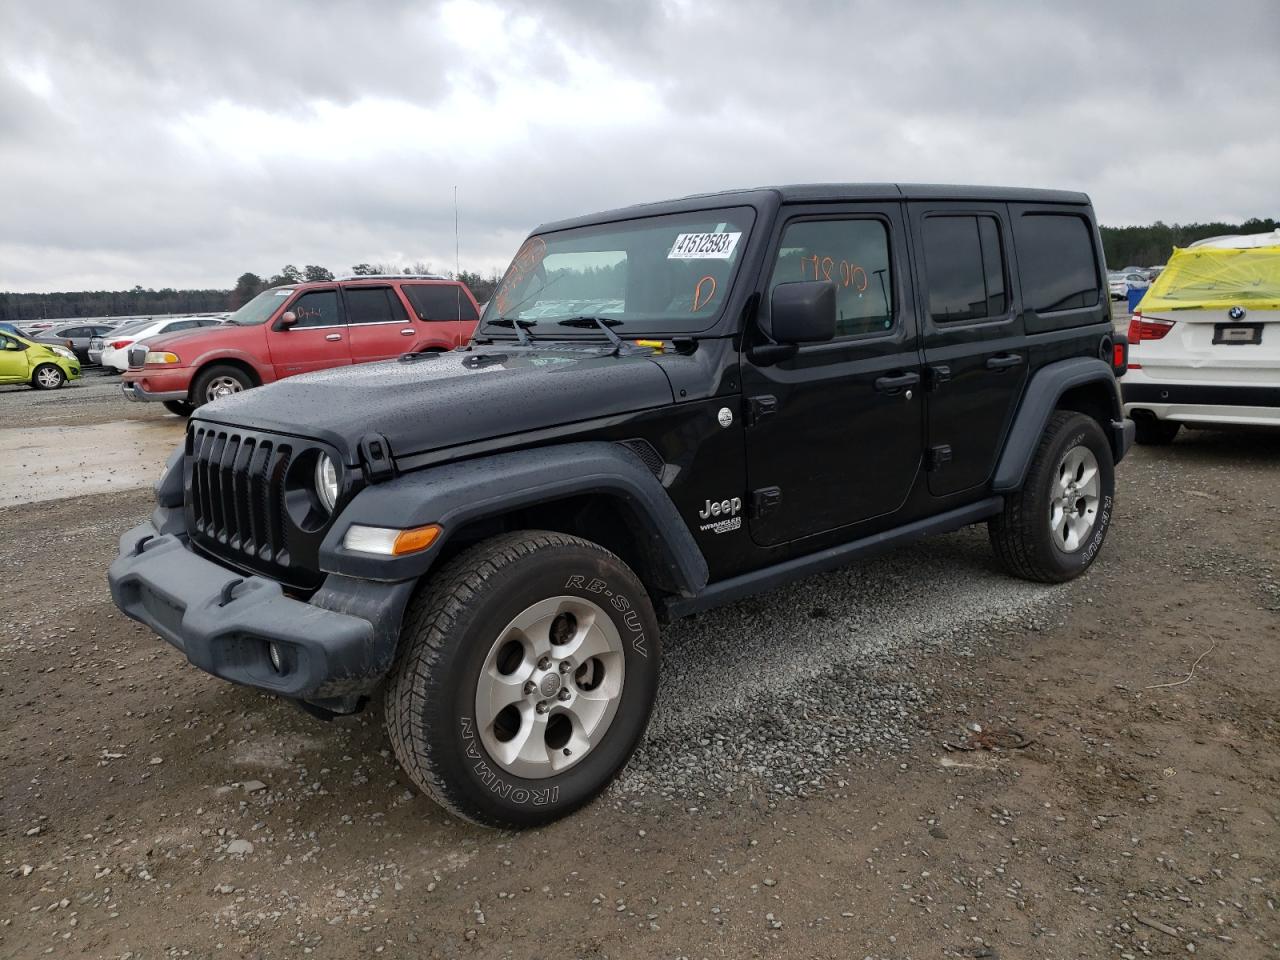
260 308
666 274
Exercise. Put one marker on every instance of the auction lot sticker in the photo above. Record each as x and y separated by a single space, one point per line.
704 246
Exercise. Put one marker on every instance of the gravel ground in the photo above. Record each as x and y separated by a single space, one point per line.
94 398
793 798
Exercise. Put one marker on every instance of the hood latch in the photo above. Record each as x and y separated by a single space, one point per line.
375 454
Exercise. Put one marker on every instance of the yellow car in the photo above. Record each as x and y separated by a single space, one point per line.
44 366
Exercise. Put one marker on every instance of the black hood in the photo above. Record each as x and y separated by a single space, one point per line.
444 400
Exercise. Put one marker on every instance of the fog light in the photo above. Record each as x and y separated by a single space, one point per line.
277 661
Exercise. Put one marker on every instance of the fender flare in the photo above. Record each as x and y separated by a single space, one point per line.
456 494
1039 401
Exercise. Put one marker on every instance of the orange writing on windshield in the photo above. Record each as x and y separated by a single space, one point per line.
703 292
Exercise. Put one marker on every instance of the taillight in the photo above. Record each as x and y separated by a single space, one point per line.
1142 329
120 344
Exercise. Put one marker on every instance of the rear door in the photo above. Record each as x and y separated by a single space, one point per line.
445 314
377 323
317 341
14 366
975 355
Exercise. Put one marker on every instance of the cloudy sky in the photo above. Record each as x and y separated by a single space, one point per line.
180 143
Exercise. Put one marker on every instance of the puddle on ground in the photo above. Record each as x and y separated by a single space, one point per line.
50 463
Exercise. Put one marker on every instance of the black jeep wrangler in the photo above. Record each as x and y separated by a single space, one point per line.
665 408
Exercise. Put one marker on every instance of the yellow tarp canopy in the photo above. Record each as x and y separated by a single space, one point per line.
1217 279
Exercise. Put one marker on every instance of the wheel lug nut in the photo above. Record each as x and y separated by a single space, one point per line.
542 706
530 686
564 694
564 666
544 663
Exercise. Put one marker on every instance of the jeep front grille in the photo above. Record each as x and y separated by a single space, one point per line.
235 497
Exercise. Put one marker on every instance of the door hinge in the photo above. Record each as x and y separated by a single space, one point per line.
375 454
764 501
936 376
760 407
937 456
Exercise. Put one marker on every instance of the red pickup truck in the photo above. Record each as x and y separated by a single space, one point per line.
299 328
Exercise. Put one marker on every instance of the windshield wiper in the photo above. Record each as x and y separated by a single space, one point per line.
521 327
600 323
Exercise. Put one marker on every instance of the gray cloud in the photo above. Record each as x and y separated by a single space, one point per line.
175 144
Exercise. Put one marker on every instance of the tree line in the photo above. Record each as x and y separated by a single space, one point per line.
1124 246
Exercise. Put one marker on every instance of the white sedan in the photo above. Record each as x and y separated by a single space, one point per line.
1121 283
115 346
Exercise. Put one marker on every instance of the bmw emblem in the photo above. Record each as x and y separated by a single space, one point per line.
1236 313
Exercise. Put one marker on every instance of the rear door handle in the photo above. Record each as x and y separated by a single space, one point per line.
407 332
1004 361
896 383
333 336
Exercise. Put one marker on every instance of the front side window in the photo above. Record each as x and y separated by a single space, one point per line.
666 274
1056 262
854 255
964 264
373 305
317 309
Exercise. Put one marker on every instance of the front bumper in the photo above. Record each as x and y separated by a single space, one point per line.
340 644
135 390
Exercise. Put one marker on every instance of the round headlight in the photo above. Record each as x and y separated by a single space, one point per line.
327 481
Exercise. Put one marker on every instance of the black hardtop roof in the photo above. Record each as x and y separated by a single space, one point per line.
824 193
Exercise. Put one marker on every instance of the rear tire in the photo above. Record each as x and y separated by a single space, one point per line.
181 407
218 381
492 716
48 376
1151 432
1052 529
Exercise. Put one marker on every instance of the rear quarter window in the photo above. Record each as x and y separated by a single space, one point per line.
439 301
1058 266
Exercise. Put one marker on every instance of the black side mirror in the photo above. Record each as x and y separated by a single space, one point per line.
803 312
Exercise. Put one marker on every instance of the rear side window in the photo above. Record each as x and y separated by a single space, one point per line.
439 301
373 305
1056 262
317 309
179 325
854 254
964 263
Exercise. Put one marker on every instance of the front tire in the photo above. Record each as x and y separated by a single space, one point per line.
527 671
48 376
220 380
1052 529
181 407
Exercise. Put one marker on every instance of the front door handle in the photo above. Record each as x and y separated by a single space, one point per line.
407 332
896 383
1004 361
333 336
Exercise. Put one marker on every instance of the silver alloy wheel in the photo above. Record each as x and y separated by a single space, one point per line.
49 376
222 387
1073 499
550 686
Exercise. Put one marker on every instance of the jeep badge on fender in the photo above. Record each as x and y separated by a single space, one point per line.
488 538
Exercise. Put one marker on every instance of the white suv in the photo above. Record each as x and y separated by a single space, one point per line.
1204 343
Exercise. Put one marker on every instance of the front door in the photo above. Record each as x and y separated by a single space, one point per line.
975 355
377 324
14 367
317 341
834 433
